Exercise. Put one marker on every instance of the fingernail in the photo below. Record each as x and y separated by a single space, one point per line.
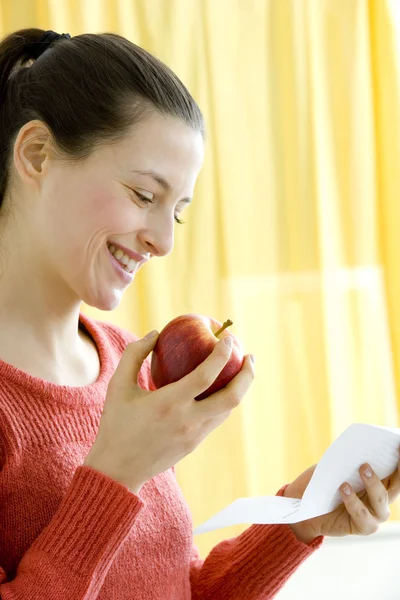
228 341
151 334
346 489
368 472
252 358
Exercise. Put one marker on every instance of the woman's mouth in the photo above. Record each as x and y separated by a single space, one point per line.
128 264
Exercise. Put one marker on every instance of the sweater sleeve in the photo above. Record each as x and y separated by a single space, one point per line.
64 562
252 566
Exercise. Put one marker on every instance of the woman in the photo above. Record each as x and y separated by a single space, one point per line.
101 146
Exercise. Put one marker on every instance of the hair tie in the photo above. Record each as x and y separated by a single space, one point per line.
45 42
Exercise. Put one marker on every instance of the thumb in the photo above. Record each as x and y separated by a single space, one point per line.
134 355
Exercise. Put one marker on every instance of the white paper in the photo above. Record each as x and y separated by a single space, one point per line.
358 444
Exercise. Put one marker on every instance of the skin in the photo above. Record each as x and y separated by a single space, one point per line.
360 514
54 256
62 215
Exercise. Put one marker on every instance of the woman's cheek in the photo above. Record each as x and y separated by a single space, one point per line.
108 208
105 209
101 201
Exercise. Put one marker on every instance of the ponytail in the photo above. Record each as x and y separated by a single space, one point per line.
16 50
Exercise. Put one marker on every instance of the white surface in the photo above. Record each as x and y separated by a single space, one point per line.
351 568
358 444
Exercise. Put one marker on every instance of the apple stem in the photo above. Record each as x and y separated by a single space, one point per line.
224 326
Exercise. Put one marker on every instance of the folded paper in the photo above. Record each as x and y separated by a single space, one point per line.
360 443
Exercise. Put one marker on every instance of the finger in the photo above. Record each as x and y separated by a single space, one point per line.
393 487
376 491
198 380
362 522
232 394
132 358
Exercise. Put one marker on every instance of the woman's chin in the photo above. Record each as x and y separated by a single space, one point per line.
107 302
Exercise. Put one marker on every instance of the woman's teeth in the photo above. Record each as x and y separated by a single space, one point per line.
127 263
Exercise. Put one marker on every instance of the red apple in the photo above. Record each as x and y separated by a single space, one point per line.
184 343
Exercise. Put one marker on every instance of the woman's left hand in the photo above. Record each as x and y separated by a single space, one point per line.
360 514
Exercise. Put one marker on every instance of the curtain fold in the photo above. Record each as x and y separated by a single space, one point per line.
293 231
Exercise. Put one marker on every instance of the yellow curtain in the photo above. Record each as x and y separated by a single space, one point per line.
293 230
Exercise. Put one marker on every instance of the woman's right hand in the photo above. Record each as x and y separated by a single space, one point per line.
143 433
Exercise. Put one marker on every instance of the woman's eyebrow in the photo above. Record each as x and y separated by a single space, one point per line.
160 180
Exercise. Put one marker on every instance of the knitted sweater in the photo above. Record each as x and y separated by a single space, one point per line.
70 532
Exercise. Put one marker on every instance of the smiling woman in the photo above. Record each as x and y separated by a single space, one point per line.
92 180
126 165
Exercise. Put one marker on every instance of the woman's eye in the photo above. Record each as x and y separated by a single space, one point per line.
143 198
148 200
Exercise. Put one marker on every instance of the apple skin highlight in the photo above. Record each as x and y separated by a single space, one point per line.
184 343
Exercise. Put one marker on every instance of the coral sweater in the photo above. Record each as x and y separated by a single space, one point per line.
70 532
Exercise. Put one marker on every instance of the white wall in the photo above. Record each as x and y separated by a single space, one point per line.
351 568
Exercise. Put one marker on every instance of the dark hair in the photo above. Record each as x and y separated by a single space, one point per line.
89 90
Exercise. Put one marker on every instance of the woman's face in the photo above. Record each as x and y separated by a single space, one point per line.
78 209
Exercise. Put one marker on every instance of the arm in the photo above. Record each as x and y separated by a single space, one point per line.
63 561
252 566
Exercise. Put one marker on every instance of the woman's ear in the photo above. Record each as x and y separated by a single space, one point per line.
31 149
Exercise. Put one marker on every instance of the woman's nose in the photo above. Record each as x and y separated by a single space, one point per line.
159 241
